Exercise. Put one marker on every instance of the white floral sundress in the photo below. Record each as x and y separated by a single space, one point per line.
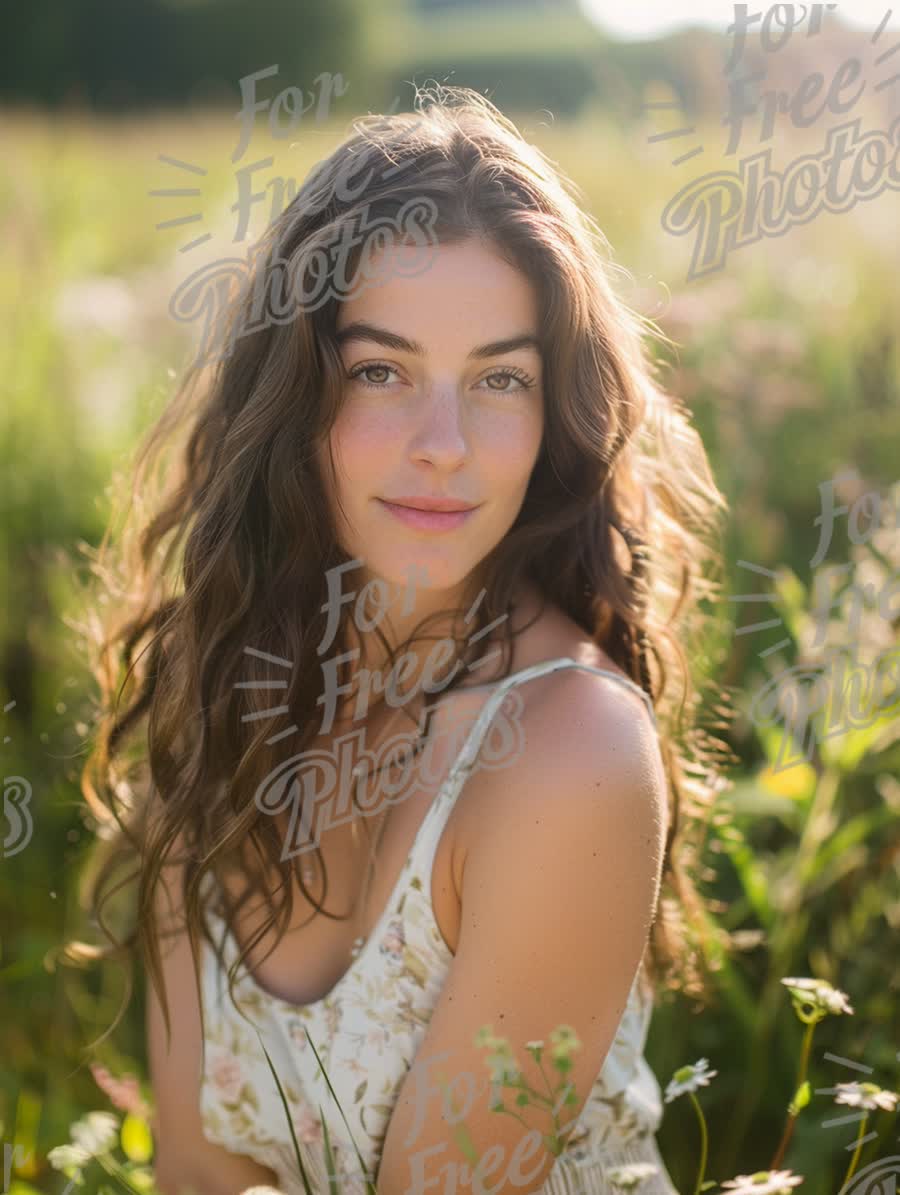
368 1028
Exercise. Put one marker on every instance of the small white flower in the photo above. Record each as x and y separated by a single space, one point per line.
66 1157
503 1067
865 1095
564 1041
564 1037
626 1178
689 1078
485 1036
535 1049
764 1182
98 1133
819 994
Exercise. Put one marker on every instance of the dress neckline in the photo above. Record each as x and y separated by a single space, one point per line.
356 964
377 932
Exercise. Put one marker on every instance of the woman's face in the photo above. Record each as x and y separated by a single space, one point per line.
435 406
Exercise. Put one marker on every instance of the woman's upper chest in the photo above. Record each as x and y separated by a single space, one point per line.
316 952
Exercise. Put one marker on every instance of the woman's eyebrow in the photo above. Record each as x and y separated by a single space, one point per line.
360 330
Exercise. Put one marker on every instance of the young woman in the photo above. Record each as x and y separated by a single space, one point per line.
405 625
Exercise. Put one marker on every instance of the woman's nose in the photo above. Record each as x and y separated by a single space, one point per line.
441 434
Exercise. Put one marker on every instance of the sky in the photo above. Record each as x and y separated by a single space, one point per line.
649 18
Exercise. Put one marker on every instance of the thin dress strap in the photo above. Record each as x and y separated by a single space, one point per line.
466 758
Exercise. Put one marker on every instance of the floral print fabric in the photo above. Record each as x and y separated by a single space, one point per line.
367 1031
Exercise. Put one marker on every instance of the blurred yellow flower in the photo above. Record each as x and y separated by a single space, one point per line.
794 782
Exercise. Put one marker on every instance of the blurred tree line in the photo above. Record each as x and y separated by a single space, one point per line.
116 55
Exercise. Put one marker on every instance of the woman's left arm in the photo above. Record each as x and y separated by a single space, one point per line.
558 896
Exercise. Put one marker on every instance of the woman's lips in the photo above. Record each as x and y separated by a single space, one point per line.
428 520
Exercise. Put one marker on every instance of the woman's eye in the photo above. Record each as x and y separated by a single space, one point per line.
525 382
365 369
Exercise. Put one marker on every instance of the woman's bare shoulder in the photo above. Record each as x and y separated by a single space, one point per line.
587 753
566 705
560 714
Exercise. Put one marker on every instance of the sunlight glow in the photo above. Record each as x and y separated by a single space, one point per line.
653 18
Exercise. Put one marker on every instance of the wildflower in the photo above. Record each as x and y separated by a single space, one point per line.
794 782
97 1133
502 1062
70 1159
565 1039
485 1036
865 1095
626 1178
686 1080
565 1035
535 1049
816 996
503 1069
764 1182
869 1097
124 1092
564 1042
501 1046
689 1078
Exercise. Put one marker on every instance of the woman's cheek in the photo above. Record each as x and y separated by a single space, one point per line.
512 439
362 432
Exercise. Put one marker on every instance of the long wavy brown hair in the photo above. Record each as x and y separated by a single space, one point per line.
228 536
